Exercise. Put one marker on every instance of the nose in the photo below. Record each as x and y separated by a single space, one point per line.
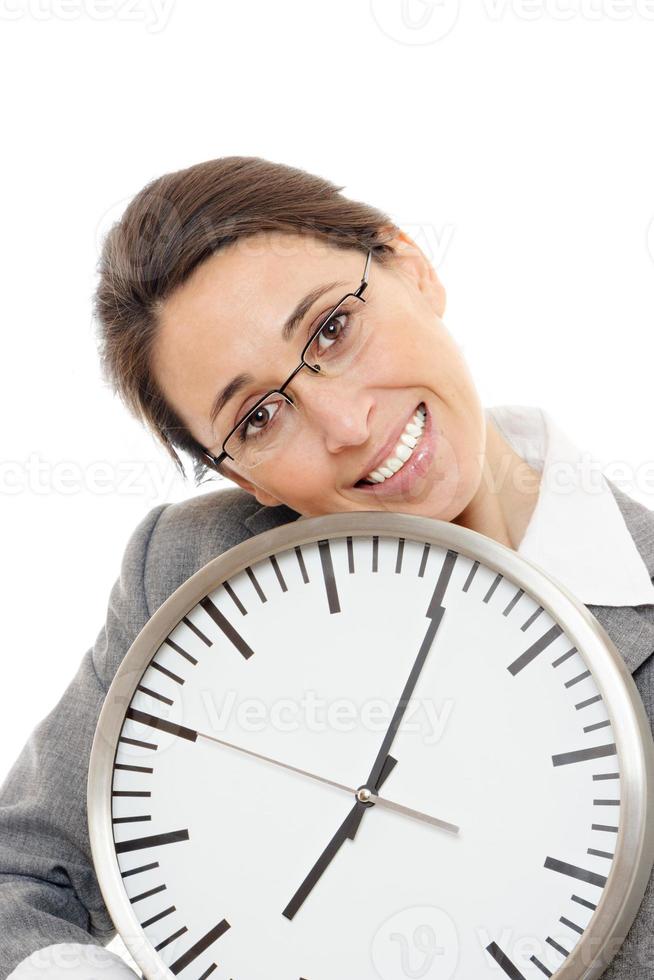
338 411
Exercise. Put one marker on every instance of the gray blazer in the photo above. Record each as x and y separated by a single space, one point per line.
48 890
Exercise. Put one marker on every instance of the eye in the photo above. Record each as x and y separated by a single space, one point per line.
259 420
330 331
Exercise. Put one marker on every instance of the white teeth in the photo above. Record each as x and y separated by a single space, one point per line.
403 450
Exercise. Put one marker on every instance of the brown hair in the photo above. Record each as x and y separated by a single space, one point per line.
176 222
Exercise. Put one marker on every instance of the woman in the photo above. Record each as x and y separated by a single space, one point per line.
291 340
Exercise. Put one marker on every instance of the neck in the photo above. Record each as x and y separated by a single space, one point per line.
506 496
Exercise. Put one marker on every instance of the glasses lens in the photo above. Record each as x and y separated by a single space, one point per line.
264 432
339 339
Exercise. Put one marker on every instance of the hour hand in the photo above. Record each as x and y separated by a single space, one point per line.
346 831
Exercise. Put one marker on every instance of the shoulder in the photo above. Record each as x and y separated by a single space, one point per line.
185 535
632 627
640 523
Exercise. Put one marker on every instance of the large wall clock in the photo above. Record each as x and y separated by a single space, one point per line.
372 746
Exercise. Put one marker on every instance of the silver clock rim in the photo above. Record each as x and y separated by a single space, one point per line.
634 855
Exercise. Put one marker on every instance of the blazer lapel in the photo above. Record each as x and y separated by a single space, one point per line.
632 627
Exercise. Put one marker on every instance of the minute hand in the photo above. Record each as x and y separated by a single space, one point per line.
435 620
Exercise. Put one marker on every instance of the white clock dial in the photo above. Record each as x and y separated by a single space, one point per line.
473 719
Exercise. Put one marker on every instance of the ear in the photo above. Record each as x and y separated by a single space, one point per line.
265 499
410 260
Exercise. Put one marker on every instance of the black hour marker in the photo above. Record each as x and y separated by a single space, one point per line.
606 775
606 802
600 854
598 724
515 598
235 599
423 561
160 915
138 871
328 575
176 647
588 701
208 972
496 581
350 555
165 726
609 828
153 694
503 960
152 891
136 741
552 864
168 673
444 576
583 901
532 652
564 656
171 939
557 946
579 677
375 552
471 575
156 840
541 966
140 819
250 574
221 621
400 555
131 792
122 765
571 925
532 618
583 755
300 561
198 948
198 632
278 573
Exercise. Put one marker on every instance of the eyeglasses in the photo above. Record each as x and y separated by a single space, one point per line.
274 420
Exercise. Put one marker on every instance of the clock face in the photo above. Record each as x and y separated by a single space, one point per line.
368 755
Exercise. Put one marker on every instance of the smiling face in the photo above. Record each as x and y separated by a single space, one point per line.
226 320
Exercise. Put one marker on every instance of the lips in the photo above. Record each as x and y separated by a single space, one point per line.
387 450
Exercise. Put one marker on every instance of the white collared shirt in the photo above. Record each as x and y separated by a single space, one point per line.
576 532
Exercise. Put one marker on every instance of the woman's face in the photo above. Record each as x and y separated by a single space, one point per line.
226 320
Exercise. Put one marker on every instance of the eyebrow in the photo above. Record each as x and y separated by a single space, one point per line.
289 328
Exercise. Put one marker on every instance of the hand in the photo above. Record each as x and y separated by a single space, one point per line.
371 798
380 769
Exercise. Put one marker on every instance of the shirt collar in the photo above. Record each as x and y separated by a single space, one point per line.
576 532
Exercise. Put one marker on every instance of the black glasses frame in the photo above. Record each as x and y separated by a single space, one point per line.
315 368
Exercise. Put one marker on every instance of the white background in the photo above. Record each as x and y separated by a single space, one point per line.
512 140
